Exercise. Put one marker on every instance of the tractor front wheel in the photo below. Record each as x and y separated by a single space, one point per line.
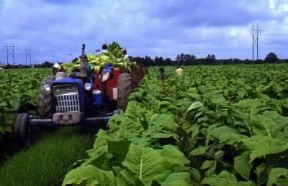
45 99
124 88
23 130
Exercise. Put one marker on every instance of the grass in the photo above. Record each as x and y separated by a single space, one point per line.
47 161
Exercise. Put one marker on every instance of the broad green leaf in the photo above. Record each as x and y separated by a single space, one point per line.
265 124
163 104
275 174
173 158
195 175
145 163
193 93
126 177
177 179
119 148
218 100
15 103
279 119
249 105
194 106
260 146
165 121
115 145
89 175
219 154
262 175
133 110
199 151
207 164
155 133
225 134
242 165
225 178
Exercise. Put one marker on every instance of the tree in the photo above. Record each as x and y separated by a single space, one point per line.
46 64
210 59
185 59
271 58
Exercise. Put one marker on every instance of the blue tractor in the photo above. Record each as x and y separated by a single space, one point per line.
84 97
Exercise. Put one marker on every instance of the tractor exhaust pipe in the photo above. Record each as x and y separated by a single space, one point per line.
83 63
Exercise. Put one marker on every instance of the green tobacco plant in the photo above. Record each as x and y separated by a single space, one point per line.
18 92
216 125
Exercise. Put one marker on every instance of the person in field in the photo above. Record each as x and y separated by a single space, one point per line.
58 72
124 53
179 71
162 74
55 68
104 48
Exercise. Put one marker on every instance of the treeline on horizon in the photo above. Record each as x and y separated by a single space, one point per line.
180 60
188 59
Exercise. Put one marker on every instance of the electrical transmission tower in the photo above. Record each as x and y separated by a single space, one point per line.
28 55
10 53
255 40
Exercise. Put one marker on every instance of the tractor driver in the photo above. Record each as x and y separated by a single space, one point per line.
58 72
55 68
87 71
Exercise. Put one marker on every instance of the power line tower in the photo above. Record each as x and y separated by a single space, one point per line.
10 53
255 40
252 31
258 31
28 55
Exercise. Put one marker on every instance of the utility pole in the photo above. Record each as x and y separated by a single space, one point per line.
252 31
255 39
9 53
258 31
26 56
30 56
13 49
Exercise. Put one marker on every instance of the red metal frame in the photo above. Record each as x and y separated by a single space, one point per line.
107 86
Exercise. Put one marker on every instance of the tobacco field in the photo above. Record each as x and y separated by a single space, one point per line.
217 125
18 89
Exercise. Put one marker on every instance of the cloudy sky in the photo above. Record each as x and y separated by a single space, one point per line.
55 29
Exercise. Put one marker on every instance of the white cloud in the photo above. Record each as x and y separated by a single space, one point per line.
278 7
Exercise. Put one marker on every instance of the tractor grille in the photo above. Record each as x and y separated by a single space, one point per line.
67 97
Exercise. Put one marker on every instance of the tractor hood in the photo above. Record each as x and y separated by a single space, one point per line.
61 87
68 80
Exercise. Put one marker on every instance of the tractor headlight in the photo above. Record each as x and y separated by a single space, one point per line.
47 87
88 86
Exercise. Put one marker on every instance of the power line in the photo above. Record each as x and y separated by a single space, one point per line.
255 40
258 31
28 56
10 52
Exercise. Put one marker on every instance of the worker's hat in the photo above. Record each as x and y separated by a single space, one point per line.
56 65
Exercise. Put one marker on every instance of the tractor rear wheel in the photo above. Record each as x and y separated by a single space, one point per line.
23 130
45 99
124 88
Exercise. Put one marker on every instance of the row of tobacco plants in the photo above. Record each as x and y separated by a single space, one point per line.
18 90
217 125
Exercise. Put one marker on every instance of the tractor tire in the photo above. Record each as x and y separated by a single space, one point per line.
23 130
124 89
45 99
137 74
